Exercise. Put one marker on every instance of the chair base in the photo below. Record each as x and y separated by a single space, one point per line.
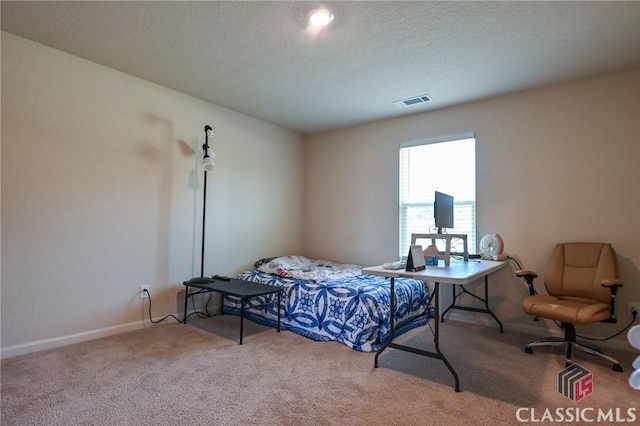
569 347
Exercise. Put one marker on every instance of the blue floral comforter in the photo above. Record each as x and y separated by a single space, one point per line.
352 310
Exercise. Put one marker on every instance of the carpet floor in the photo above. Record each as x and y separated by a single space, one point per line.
197 374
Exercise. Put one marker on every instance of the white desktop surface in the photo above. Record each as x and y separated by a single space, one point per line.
458 272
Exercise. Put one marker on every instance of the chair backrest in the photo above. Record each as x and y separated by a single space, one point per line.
577 269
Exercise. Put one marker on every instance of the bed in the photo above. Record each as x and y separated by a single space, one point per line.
329 301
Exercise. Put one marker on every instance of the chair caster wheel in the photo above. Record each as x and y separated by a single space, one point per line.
617 368
528 350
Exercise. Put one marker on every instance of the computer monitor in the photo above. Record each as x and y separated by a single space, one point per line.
443 211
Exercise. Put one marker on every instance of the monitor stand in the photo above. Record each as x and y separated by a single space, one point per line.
463 237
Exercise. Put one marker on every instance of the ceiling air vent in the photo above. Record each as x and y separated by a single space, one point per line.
413 101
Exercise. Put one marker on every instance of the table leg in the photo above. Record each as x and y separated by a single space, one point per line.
453 303
436 334
392 322
241 317
436 338
186 296
279 312
486 302
485 310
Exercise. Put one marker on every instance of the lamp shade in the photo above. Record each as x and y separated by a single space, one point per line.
208 163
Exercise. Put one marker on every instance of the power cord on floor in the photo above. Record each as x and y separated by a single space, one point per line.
205 314
162 319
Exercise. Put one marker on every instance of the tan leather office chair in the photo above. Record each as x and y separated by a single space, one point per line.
581 281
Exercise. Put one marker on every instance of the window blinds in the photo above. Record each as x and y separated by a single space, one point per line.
446 165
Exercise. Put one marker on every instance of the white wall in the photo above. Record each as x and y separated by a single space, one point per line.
102 192
555 164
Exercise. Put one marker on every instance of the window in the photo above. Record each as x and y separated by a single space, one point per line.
447 165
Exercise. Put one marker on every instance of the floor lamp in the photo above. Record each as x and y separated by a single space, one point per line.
208 166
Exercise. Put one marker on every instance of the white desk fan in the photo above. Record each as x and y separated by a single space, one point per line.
491 247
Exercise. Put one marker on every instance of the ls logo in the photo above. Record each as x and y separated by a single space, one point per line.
575 382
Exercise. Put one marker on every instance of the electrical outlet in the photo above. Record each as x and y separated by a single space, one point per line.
144 294
633 306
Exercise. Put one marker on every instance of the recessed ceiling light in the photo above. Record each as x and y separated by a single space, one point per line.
320 17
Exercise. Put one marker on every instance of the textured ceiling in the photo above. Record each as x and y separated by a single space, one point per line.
258 58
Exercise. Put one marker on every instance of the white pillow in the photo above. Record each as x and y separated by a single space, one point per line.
283 265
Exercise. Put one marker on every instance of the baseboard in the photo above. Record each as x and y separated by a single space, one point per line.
44 344
41 345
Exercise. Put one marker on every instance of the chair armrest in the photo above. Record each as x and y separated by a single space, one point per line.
528 276
525 272
612 284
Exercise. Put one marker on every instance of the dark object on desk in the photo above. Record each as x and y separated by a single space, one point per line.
221 278
443 207
239 288
581 281
415 259
474 256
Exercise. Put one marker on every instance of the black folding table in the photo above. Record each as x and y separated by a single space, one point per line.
239 288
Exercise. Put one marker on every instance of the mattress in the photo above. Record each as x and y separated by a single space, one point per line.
343 305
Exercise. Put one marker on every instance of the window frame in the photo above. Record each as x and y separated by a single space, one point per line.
405 229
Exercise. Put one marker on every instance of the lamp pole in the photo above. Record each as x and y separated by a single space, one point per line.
204 222
207 165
